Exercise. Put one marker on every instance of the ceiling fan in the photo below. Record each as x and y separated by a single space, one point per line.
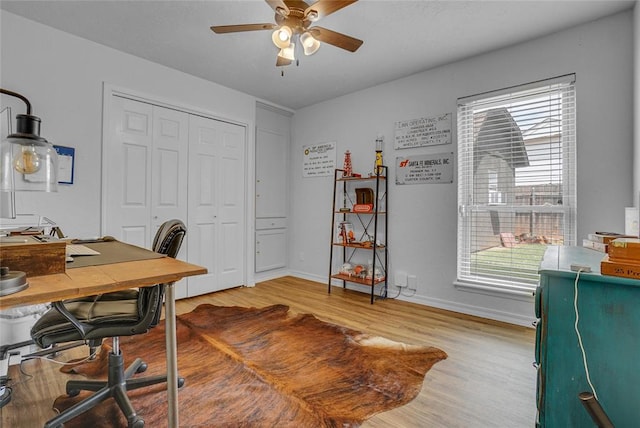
293 21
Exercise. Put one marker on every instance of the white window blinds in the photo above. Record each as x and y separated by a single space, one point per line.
516 182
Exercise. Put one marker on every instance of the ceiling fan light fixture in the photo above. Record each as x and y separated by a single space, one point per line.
312 15
309 43
282 36
288 52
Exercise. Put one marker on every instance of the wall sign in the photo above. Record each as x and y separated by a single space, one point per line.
437 168
318 159
426 131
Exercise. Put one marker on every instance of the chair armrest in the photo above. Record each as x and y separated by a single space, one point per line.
62 309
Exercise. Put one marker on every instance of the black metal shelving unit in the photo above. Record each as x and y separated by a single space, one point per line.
372 237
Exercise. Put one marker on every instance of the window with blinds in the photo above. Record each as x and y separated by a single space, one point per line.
516 182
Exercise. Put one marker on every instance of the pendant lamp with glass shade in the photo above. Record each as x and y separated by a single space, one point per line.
28 162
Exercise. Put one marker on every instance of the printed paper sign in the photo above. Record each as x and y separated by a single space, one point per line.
436 168
319 159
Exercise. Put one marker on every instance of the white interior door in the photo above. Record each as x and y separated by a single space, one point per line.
127 172
169 171
216 203
146 170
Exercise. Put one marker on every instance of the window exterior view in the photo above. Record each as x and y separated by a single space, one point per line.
516 181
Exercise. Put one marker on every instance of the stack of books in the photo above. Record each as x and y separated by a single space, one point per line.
599 241
623 258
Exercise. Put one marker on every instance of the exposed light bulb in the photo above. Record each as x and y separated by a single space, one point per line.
27 161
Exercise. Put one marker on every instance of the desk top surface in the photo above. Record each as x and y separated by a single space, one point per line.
90 280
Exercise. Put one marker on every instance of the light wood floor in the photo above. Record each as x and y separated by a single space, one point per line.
487 381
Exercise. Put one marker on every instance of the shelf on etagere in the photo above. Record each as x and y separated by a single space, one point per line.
359 245
363 281
361 212
373 177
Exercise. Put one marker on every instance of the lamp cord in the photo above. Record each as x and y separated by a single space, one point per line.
575 326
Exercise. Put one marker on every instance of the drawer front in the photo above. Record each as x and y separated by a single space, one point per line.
270 223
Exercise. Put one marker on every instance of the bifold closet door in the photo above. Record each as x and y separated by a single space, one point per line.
145 170
216 203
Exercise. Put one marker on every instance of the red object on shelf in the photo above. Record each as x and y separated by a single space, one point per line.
348 169
363 208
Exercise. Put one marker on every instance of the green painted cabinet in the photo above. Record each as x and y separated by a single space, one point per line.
609 323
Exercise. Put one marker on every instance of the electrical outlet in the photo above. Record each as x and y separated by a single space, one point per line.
412 282
400 279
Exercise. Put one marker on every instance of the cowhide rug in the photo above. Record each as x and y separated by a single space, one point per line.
265 368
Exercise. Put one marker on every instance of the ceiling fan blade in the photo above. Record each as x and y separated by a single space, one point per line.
340 40
327 7
222 29
280 61
279 7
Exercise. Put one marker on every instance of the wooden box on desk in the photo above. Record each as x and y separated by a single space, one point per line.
33 257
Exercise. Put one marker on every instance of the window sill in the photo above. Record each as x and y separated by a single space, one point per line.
513 293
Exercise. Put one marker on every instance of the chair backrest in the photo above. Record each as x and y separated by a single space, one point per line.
168 240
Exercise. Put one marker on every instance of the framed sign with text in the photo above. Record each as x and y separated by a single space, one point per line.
436 168
426 131
318 159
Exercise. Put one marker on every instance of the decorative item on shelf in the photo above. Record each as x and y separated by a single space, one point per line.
364 200
348 169
377 170
345 233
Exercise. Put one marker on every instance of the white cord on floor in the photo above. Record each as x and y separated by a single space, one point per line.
575 326
62 363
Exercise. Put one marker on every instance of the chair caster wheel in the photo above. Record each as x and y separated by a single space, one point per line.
143 367
137 423
180 382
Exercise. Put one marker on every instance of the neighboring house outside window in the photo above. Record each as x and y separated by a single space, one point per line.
516 182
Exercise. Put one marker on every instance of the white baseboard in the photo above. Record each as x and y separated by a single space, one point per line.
448 305
270 274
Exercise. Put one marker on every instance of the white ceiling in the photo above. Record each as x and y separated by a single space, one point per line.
401 37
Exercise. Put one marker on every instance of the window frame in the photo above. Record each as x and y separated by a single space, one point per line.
565 208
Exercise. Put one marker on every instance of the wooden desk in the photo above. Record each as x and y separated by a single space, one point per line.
87 281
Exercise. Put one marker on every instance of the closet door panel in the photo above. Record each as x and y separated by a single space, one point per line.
170 161
216 202
127 172
232 208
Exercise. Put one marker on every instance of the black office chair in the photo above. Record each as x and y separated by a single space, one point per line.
92 319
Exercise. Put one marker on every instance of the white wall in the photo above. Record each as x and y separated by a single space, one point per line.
636 117
62 76
423 217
